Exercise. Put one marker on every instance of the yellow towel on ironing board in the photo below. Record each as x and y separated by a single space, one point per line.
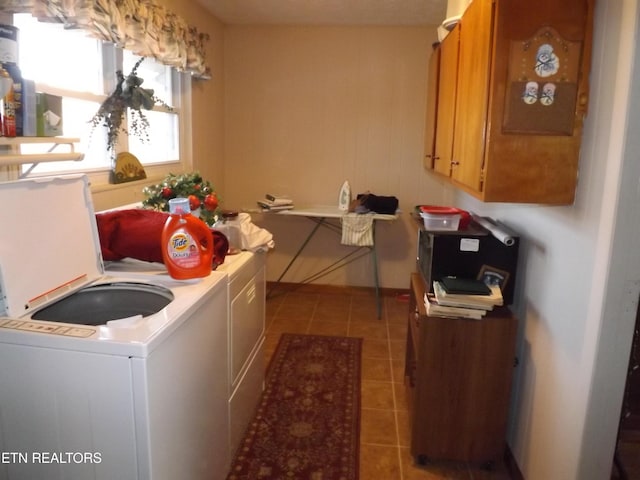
357 229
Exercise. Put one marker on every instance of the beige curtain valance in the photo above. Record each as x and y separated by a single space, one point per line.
140 26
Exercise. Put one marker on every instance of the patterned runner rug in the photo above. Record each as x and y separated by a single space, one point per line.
307 425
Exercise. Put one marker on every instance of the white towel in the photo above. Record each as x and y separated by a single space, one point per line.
357 229
252 237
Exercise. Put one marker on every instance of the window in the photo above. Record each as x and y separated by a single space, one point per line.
81 70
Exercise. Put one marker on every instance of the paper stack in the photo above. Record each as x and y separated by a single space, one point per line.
275 202
443 303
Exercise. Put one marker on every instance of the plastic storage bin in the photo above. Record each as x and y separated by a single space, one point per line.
439 221
442 218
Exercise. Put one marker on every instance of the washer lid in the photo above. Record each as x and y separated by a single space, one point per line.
49 243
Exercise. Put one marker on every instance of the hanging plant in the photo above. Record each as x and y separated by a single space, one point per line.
127 96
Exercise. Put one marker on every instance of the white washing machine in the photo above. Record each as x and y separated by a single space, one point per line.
127 383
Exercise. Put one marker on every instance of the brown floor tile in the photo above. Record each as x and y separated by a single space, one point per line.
301 298
288 325
397 318
331 314
397 370
400 393
377 395
397 309
397 331
378 427
334 301
398 348
375 348
404 428
379 463
295 311
270 344
328 328
374 330
365 317
364 309
377 369
273 303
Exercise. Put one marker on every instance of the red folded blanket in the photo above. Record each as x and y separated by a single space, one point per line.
136 233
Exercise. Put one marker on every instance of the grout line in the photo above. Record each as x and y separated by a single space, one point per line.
315 309
393 390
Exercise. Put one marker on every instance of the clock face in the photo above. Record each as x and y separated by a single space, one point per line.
542 84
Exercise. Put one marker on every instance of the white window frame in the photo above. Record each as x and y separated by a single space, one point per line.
181 103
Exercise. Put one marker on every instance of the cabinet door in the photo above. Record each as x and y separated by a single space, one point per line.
446 102
473 93
432 107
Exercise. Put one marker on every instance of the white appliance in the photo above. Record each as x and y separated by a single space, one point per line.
455 10
144 397
246 315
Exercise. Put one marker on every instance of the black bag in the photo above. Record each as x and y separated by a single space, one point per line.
378 203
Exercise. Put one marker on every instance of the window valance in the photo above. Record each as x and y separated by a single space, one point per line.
141 26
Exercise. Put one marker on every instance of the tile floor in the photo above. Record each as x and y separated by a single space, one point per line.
384 437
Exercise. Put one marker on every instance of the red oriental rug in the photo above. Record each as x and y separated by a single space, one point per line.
307 425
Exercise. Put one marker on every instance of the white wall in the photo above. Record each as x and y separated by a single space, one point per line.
307 108
579 280
622 271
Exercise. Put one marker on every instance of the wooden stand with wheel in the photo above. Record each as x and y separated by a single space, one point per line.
458 375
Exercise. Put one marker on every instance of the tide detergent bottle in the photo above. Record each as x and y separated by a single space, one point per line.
187 242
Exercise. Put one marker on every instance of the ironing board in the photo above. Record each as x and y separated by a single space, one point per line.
325 216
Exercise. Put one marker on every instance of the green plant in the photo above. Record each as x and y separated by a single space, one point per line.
127 96
201 194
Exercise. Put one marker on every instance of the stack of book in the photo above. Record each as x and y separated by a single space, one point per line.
275 202
454 302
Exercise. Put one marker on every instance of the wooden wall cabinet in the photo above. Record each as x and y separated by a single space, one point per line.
458 375
447 78
520 98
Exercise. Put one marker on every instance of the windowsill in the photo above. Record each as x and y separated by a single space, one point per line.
107 195
155 174
105 187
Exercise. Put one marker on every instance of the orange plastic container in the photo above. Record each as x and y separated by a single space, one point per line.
187 242
445 214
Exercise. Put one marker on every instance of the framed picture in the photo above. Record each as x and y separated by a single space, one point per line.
493 276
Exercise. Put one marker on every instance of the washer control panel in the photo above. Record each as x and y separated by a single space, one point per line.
38 327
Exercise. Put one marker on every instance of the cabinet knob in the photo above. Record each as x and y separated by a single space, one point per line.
454 163
436 158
